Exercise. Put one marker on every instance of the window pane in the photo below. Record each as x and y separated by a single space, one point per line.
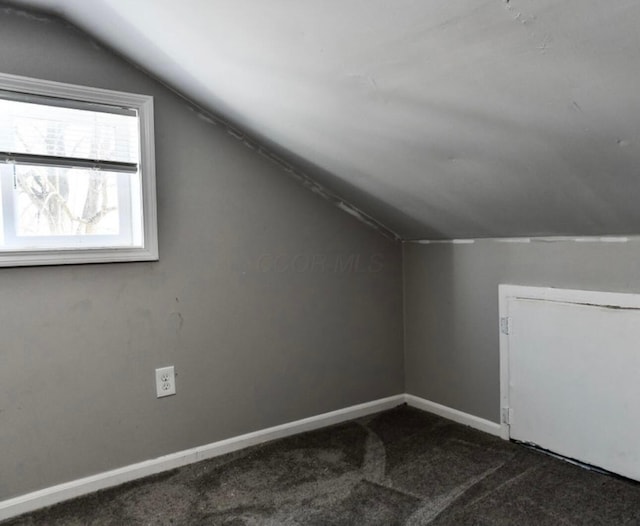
65 202
40 129
48 208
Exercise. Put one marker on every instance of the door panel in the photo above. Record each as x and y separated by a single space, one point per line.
574 381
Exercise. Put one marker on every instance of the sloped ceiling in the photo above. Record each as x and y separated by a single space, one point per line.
441 118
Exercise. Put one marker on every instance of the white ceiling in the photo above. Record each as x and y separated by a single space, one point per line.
441 118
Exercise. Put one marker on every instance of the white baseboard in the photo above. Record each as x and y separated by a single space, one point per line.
76 488
453 414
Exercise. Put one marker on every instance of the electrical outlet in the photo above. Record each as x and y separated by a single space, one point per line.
165 381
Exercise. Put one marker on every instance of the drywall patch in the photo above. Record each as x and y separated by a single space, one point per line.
25 14
177 320
541 239
575 106
443 241
366 219
546 44
202 117
518 15
623 143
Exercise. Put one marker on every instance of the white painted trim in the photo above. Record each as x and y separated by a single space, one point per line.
453 414
50 88
76 488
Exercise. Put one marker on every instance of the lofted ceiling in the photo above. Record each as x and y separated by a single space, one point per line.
440 119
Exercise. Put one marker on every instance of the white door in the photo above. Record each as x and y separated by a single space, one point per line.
574 376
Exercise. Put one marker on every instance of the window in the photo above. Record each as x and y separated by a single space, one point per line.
77 174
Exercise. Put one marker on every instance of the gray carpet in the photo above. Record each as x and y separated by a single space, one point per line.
400 467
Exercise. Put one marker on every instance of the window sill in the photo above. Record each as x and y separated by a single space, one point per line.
76 257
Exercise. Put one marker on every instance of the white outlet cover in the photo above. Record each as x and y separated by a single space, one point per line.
165 381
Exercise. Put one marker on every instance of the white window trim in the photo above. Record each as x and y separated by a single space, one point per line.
144 105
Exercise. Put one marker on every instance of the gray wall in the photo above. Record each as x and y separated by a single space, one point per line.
256 341
451 307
